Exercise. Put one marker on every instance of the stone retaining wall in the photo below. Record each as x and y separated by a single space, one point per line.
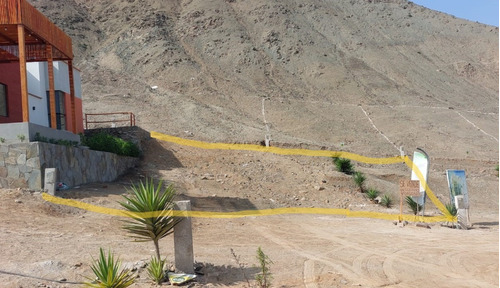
22 165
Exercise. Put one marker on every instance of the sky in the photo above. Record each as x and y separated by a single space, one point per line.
482 11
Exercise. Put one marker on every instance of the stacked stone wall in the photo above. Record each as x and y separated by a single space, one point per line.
22 165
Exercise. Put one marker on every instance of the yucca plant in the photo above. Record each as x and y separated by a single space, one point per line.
343 165
371 194
108 273
156 270
414 206
359 179
146 197
386 201
451 209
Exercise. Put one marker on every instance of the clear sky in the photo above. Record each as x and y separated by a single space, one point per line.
482 11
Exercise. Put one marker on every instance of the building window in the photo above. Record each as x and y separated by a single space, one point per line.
60 109
3 100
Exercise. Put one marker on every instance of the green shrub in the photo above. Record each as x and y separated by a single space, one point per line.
264 277
372 194
108 143
343 165
386 201
128 148
359 179
451 209
40 138
156 270
108 273
414 206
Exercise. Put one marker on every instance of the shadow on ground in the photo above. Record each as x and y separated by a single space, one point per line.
218 204
222 275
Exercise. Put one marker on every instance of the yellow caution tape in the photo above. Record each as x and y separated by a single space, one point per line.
275 150
278 211
240 214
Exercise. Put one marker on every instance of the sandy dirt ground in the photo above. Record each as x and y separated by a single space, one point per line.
48 245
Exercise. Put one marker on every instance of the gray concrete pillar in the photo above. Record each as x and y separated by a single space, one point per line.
50 182
462 212
183 240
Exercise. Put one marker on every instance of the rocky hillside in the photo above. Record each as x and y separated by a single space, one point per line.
366 76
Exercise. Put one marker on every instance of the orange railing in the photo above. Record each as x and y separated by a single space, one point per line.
105 118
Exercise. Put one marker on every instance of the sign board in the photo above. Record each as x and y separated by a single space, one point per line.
409 187
458 186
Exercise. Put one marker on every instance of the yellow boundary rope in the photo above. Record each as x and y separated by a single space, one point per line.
239 214
277 211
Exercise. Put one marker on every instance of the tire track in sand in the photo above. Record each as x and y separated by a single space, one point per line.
309 274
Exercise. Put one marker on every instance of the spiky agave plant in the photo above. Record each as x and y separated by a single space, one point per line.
414 206
371 194
451 209
386 201
146 197
343 165
156 270
359 179
108 273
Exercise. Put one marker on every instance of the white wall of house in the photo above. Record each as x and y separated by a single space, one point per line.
36 78
37 99
38 111
61 77
38 85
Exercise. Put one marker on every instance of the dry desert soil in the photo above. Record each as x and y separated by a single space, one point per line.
49 245
366 77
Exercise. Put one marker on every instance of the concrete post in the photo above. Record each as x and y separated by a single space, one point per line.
183 240
462 212
50 181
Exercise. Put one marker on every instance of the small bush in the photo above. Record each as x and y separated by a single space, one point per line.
372 194
156 270
40 138
343 165
386 201
414 206
108 273
109 143
359 179
451 209
264 277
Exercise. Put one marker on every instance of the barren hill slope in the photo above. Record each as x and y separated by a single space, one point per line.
363 76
